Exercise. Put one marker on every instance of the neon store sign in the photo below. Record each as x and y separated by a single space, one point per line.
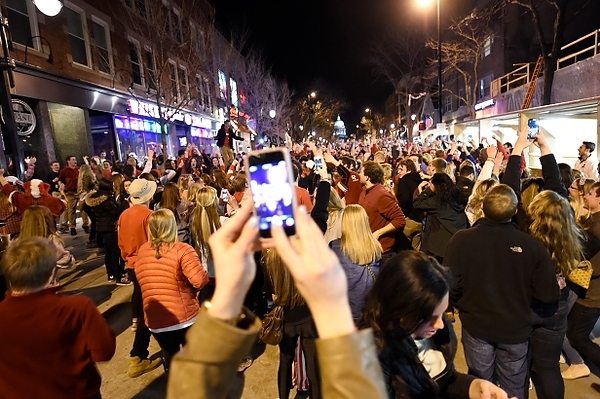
168 113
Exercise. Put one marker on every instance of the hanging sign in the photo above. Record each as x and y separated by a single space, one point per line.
25 120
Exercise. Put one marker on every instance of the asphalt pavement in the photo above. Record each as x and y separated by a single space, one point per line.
259 381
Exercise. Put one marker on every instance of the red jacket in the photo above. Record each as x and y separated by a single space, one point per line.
133 232
22 201
169 284
382 208
51 345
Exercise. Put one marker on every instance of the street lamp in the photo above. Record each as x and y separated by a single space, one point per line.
272 114
50 8
425 3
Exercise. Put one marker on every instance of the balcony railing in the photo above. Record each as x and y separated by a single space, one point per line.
582 48
512 80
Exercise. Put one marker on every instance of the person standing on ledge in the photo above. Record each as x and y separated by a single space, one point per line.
225 137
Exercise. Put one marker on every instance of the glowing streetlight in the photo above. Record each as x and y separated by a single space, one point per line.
313 94
392 126
367 110
301 127
50 8
413 117
272 113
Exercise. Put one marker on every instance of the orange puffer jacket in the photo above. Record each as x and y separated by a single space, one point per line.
169 284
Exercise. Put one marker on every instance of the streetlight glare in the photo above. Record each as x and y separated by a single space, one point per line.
424 3
272 113
313 94
367 110
50 8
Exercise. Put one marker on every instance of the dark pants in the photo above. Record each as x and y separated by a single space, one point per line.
545 347
307 333
141 340
582 320
170 342
112 256
255 298
502 364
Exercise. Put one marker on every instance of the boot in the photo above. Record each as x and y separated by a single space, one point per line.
139 366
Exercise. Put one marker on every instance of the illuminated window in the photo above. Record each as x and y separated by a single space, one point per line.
487 46
234 93
485 85
222 85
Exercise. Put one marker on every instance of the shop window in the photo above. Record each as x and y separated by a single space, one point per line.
78 37
134 60
23 22
174 84
184 87
149 68
102 44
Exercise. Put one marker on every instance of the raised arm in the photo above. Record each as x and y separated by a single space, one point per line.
550 171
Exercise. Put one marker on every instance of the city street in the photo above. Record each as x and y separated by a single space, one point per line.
259 381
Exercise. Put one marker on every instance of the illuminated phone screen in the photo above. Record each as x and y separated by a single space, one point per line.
272 191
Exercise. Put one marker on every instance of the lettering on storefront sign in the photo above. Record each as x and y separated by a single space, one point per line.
168 113
485 104
24 117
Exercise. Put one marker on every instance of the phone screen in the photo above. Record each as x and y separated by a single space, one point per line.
533 128
318 163
224 195
272 189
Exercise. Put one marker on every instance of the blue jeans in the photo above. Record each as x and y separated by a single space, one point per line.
545 346
502 364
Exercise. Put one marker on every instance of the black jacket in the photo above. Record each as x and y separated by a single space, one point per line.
465 185
405 190
106 209
232 136
497 270
406 378
442 221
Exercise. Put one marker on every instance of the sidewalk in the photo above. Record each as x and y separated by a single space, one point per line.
88 277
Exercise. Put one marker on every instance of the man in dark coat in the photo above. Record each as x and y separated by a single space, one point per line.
225 137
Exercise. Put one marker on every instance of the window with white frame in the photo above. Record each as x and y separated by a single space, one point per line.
222 84
234 93
102 44
135 61
207 95
461 95
200 91
173 78
485 85
448 103
184 87
176 26
78 36
23 22
487 46
149 68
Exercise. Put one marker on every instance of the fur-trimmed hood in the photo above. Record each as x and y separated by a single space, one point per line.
95 198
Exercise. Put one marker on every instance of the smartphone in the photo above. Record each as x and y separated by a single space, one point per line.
318 163
533 129
272 187
224 195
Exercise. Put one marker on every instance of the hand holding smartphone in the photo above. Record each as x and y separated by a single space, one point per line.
533 129
272 187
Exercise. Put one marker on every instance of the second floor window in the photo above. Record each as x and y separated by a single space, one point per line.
448 103
22 26
149 68
174 84
101 40
487 46
77 36
176 26
134 60
485 85
183 82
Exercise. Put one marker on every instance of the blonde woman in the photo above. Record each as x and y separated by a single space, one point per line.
335 210
553 223
577 191
190 205
38 222
204 222
474 210
170 275
86 182
360 255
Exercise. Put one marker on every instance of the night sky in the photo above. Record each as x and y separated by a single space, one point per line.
326 45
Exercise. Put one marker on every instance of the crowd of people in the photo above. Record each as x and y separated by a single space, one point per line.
393 241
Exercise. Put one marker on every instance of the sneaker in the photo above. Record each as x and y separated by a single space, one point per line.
73 232
124 281
111 279
134 323
245 363
562 360
86 229
139 366
64 230
576 371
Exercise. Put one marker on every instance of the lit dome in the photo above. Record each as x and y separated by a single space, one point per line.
339 128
